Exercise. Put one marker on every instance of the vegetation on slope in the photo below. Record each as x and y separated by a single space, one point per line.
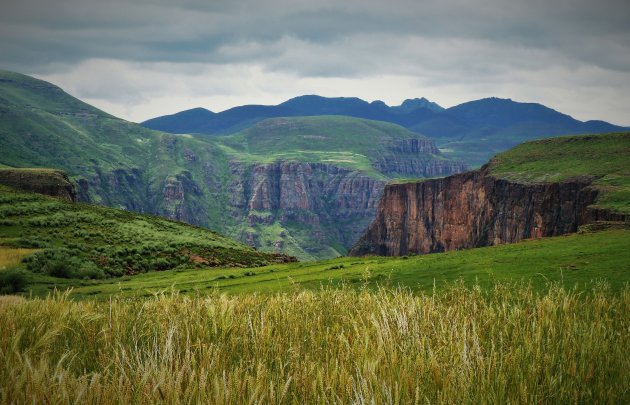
574 260
86 241
123 165
504 345
118 163
343 141
605 158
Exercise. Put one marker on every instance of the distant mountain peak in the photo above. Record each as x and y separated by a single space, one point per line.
411 104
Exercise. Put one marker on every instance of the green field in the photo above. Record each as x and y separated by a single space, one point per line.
579 260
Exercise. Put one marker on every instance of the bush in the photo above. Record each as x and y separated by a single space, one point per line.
12 281
63 263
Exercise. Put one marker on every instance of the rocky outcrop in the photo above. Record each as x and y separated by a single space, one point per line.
475 209
43 181
416 157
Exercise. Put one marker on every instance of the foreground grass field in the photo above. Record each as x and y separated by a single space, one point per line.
506 344
579 259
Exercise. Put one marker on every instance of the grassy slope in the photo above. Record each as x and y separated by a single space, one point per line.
42 126
573 259
84 239
342 141
604 157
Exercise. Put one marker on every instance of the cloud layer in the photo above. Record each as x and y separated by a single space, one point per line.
142 58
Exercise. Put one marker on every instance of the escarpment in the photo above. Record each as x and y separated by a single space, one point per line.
415 158
475 209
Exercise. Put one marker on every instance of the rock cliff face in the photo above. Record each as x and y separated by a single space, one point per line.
309 210
43 181
307 200
474 209
409 158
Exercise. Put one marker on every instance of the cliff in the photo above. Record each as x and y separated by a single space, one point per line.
476 209
43 181
305 209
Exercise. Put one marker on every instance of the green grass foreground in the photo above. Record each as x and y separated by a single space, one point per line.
506 344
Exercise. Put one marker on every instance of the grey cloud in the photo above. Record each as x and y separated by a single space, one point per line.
483 46
193 30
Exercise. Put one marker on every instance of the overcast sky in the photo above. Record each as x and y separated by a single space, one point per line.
138 59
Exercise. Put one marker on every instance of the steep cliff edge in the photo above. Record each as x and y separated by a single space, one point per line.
50 182
507 200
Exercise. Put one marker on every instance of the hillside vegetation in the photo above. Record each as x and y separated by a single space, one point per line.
575 260
343 141
605 158
504 345
86 241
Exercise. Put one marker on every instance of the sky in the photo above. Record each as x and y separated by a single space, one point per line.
138 59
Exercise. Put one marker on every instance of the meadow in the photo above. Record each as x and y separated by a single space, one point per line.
578 260
503 344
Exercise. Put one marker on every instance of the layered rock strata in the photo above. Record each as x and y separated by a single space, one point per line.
475 209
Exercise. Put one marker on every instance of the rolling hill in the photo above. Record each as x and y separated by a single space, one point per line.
76 240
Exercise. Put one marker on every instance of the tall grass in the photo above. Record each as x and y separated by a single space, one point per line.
10 256
507 345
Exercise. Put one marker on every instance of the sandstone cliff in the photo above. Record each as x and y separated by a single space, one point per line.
308 210
475 209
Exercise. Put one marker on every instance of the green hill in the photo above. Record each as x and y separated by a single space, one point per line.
344 141
115 163
605 158
75 240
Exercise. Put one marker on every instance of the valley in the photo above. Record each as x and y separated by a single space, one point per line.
116 290
234 184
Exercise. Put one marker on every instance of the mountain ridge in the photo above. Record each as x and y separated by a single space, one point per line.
473 131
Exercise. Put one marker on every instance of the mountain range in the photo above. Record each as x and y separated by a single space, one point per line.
473 131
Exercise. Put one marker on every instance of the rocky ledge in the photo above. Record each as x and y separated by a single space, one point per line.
50 182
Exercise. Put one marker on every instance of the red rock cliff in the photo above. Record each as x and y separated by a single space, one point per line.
474 209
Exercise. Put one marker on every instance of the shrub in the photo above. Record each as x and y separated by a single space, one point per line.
12 281
63 263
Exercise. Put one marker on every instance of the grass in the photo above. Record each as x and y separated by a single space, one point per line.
574 260
10 256
506 344
602 157
87 241
341 141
